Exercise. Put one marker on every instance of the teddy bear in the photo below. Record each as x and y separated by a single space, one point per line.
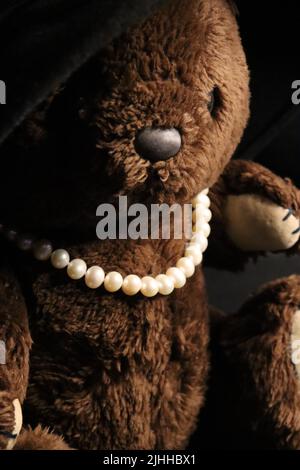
111 344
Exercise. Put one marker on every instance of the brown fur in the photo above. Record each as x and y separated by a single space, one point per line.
254 395
40 439
244 177
108 371
88 128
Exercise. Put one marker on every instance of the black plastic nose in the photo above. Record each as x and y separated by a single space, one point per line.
158 144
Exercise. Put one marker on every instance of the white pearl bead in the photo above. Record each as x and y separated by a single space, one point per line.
42 250
113 281
25 242
207 214
202 200
203 228
150 286
195 201
194 251
187 266
77 269
205 191
198 215
60 259
206 230
94 277
166 284
132 284
178 277
201 240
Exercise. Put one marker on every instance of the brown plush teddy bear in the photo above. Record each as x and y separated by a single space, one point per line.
156 117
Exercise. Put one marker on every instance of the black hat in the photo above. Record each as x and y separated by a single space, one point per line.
42 42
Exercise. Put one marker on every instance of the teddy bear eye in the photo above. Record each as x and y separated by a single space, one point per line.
214 101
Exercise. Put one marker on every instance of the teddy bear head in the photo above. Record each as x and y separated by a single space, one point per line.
156 116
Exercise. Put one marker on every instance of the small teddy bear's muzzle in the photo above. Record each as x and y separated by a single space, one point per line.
157 144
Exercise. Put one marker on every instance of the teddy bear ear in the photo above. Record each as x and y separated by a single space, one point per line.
70 32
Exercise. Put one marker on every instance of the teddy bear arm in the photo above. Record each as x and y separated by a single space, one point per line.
253 398
254 211
15 343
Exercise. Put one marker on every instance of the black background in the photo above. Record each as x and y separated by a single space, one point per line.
270 34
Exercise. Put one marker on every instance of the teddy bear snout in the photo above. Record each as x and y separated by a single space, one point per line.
157 144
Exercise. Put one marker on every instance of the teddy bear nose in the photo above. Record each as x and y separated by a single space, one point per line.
157 144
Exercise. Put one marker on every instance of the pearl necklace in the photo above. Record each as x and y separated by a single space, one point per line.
94 276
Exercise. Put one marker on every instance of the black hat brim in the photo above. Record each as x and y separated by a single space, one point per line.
42 42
